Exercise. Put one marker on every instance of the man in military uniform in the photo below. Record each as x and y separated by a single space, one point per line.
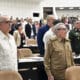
58 54
74 37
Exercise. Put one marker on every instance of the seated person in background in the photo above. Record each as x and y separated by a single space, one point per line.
58 54
19 36
74 36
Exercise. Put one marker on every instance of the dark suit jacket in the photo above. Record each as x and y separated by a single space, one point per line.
28 30
74 36
40 35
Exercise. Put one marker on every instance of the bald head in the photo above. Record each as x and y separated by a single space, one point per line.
5 24
4 19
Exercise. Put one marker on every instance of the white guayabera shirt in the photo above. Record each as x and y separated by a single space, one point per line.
8 52
47 36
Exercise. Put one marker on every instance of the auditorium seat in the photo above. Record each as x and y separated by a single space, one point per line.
10 75
31 42
72 73
24 52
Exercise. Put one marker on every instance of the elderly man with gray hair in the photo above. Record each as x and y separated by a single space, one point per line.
58 55
50 33
8 49
42 30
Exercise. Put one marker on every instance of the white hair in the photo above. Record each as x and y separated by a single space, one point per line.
58 26
50 17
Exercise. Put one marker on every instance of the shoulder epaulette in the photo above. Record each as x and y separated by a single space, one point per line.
67 39
53 38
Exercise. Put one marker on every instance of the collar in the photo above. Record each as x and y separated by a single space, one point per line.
65 39
2 35
76 29
30 24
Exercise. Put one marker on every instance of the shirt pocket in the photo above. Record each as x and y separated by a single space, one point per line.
57 53
69 47
58 49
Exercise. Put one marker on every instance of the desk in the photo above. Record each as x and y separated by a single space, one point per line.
77 59
33 68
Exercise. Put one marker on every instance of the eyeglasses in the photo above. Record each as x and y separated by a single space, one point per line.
7 22
61 29
77 22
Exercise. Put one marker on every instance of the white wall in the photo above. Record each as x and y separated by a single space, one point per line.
25 8
18 8
62 3
68 13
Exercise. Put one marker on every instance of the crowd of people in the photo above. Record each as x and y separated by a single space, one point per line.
57 41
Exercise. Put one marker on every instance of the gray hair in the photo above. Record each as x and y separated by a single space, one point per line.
58 26
50 17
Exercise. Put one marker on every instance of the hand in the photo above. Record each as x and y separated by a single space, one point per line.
51 77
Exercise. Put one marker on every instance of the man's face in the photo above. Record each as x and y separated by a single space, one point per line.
61 32
20 29
30 20
50 21
5 26
77 25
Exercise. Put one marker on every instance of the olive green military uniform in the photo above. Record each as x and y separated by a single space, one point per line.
58 56
74 36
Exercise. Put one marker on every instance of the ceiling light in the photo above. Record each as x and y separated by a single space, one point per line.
61 8
71 8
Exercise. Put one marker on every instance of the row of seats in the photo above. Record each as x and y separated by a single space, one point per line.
72 73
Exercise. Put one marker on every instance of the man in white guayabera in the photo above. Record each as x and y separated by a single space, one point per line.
8 49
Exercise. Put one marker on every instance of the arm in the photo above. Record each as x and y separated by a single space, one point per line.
15 36
40 41
47 61
45 39
72 38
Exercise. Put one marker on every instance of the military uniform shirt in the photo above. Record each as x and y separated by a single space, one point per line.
58 56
